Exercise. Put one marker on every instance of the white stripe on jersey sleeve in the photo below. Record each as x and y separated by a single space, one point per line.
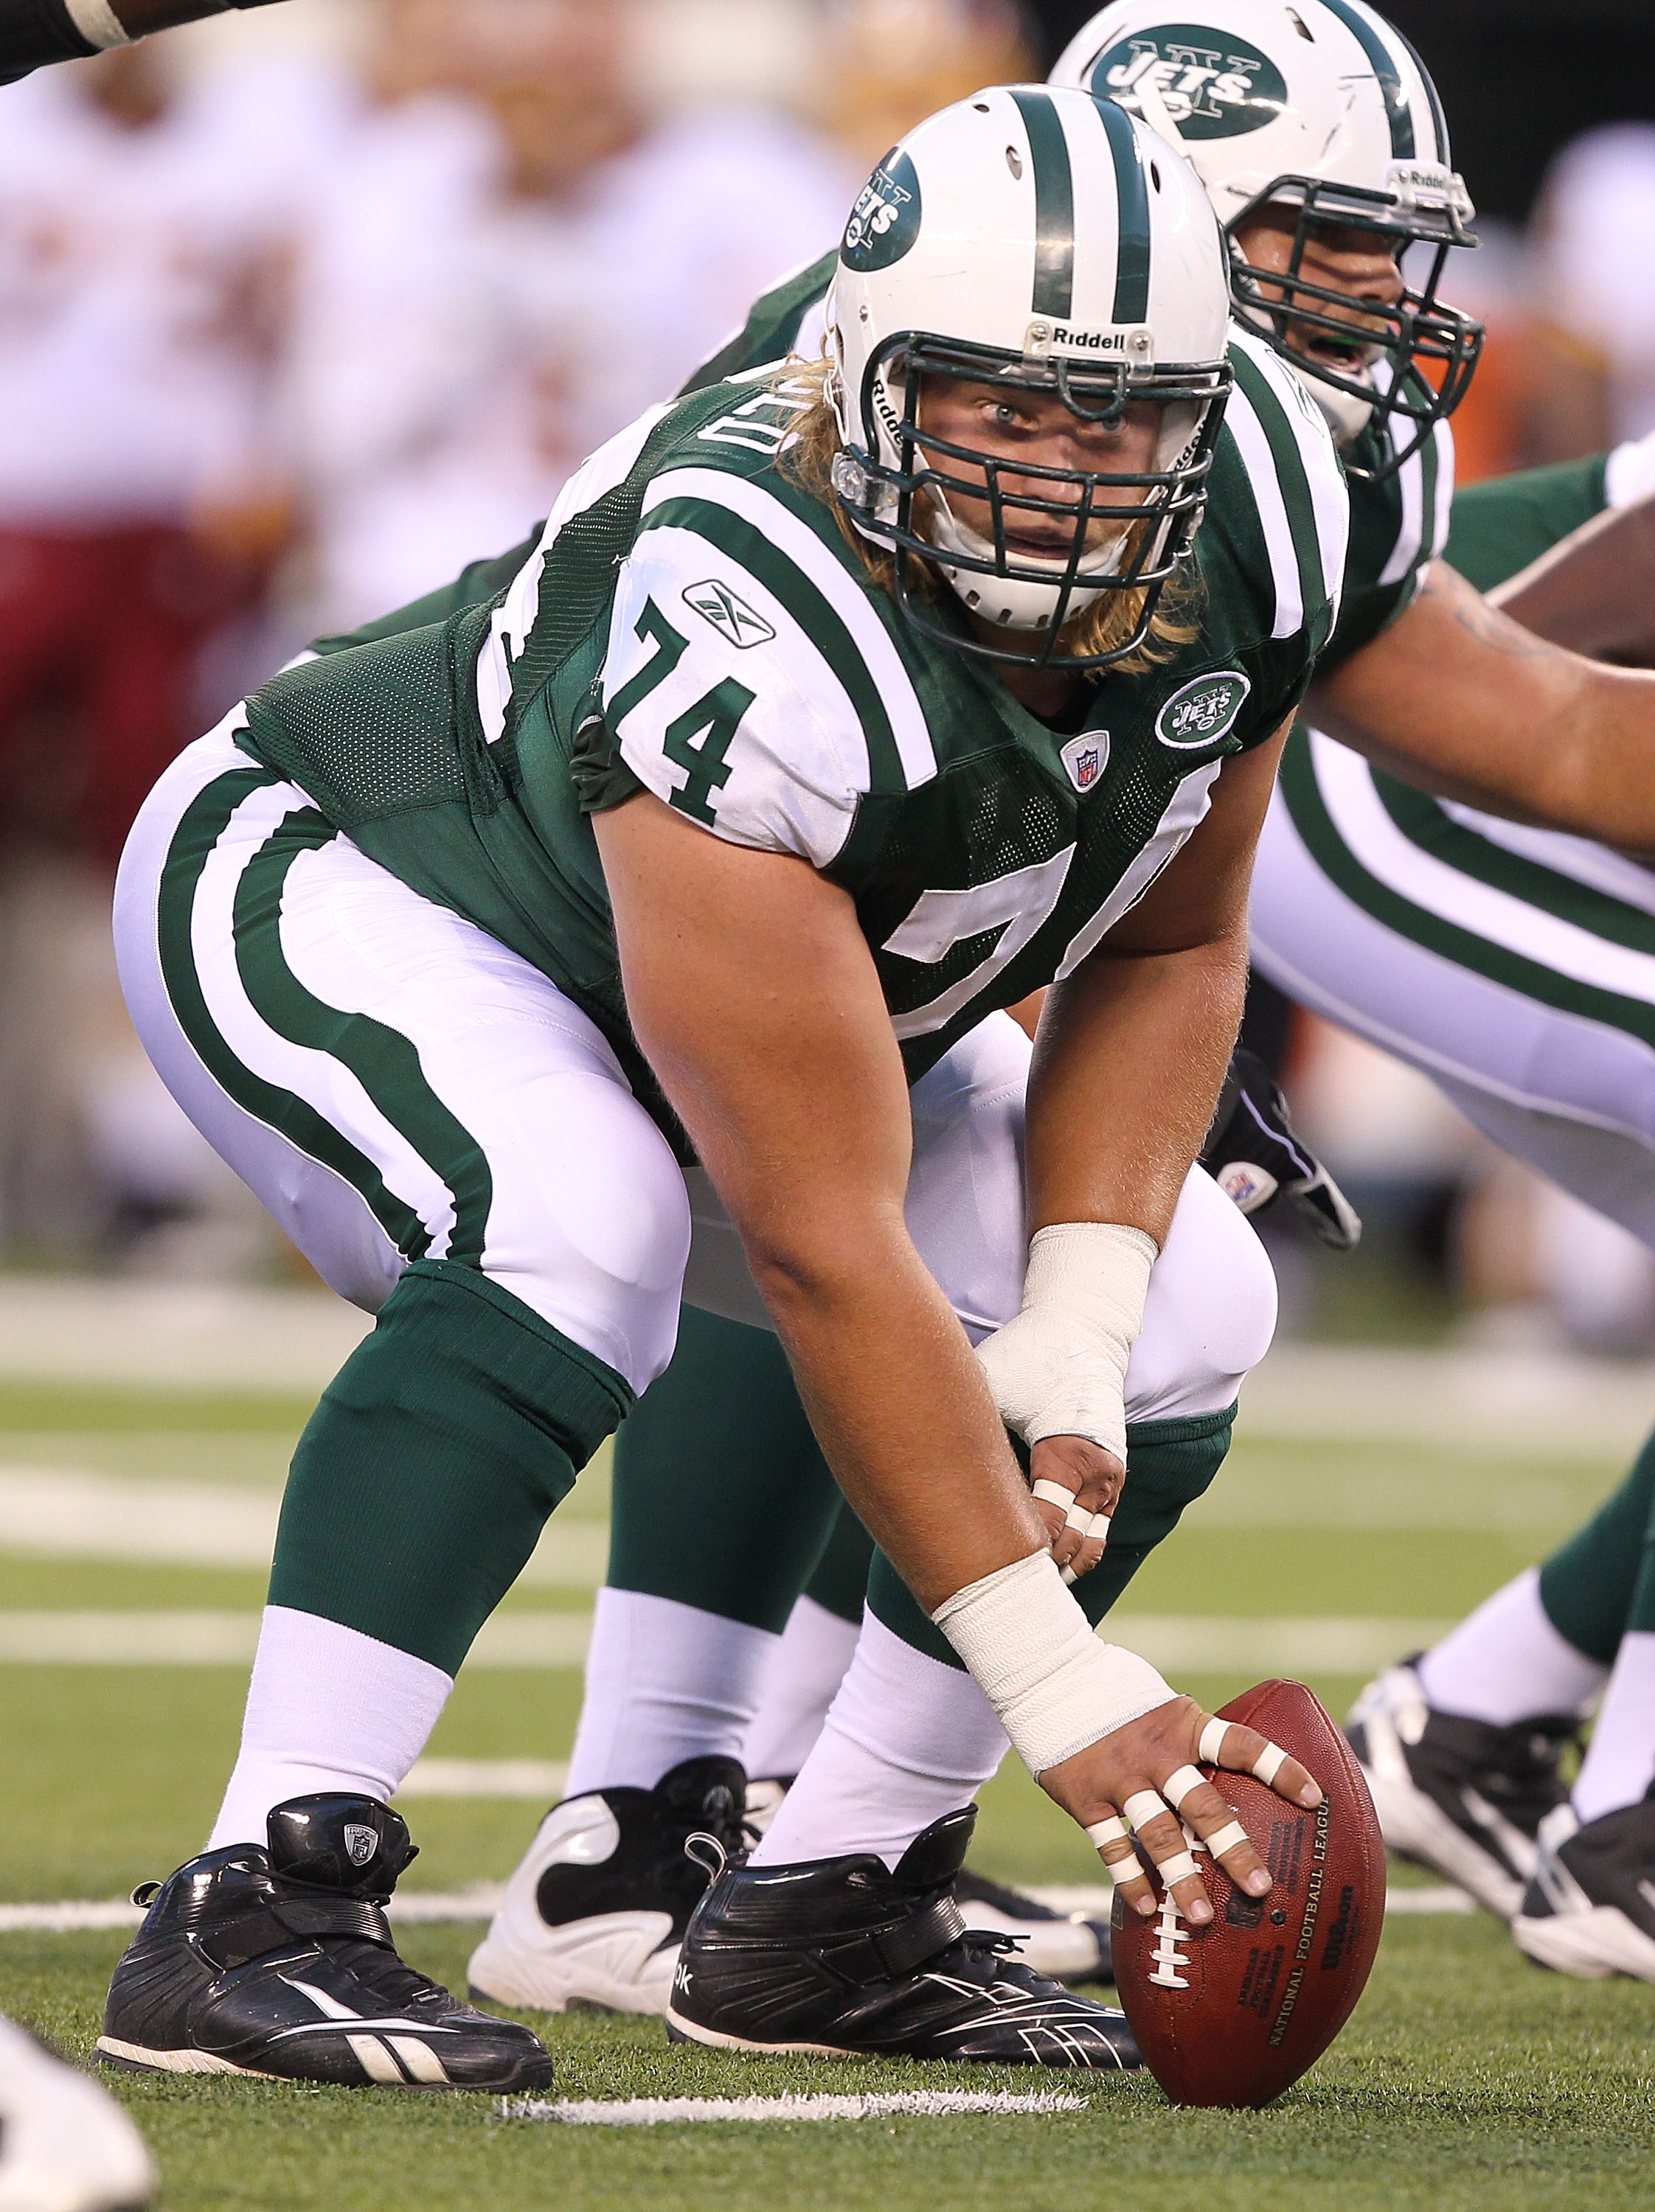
1405 553
1330 500
514 618
1259 461
1444 519
800 544
796 767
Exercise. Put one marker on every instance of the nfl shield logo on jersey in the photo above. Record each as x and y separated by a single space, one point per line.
1086 757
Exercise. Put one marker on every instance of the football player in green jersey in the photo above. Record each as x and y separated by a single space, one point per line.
523 961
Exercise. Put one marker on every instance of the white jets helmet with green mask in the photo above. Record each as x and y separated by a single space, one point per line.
1321 106
1042 240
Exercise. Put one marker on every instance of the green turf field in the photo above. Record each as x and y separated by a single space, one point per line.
1466 2079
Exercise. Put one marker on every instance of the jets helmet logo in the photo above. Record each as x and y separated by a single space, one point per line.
1200 713
1210 83
360 1843
728 613
1086 757
886 220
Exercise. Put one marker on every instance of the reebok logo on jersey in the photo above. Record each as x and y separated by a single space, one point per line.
1086 757
1201 712
728 613
1211 85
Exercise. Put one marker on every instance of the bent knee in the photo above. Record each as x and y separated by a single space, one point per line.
1210 1313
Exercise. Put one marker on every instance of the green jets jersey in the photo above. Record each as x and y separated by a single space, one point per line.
695 624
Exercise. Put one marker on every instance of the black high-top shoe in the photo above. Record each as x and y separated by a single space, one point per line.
845 1957
280 1963
598 1903
1590 1911
1068 1946
1461 1797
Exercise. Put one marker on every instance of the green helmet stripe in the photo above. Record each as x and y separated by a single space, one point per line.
1132 214
1391 84
1053 205
1439 120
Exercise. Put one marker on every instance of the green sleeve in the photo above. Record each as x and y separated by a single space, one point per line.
1501 525
473 586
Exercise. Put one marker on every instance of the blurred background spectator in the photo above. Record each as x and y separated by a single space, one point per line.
302 309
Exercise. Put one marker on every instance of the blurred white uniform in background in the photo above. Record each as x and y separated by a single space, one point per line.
462 340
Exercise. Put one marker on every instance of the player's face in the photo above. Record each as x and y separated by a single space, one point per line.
1011 426
1360 265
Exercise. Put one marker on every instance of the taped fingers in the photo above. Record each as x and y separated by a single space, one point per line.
1244 1750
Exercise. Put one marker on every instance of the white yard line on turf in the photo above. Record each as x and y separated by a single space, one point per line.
1176 1643
65 1513
671 2111
74 1917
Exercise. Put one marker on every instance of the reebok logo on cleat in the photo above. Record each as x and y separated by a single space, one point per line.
728 613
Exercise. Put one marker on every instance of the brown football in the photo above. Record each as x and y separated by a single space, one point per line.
1234 2013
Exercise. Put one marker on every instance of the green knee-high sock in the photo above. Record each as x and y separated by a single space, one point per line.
1169 1465
424 1477
722 1499
1593 1585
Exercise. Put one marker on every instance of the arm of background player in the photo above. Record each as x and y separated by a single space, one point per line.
35 32
1457 699
1595 590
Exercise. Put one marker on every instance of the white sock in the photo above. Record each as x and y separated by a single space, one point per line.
906 1741
1620 1761
1506 1663
799 1683
328 1708
664 1682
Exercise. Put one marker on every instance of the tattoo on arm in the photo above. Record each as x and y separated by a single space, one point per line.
1486 624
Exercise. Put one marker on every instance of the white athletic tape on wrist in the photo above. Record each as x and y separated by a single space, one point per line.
1179 1784
98 23
1269 1763
1111 1831
1057 1367
1056 1687
1210 1750
1629 472
1144 1805
1226 1838
1178 1868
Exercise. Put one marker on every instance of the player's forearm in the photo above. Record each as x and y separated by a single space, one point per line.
1461 700
899 1404
1128 1065
1594 591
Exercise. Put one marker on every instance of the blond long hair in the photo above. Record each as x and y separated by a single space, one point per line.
807 458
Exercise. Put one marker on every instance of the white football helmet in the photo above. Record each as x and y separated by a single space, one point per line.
1041 238
1321 105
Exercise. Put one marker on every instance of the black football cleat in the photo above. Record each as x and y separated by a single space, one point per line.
1257 1157
1460 1796
1589 1910
597 1908
845 1958
279 1963
1067 1946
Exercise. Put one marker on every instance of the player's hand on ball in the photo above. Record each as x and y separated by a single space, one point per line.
1076 1486
1146 1771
